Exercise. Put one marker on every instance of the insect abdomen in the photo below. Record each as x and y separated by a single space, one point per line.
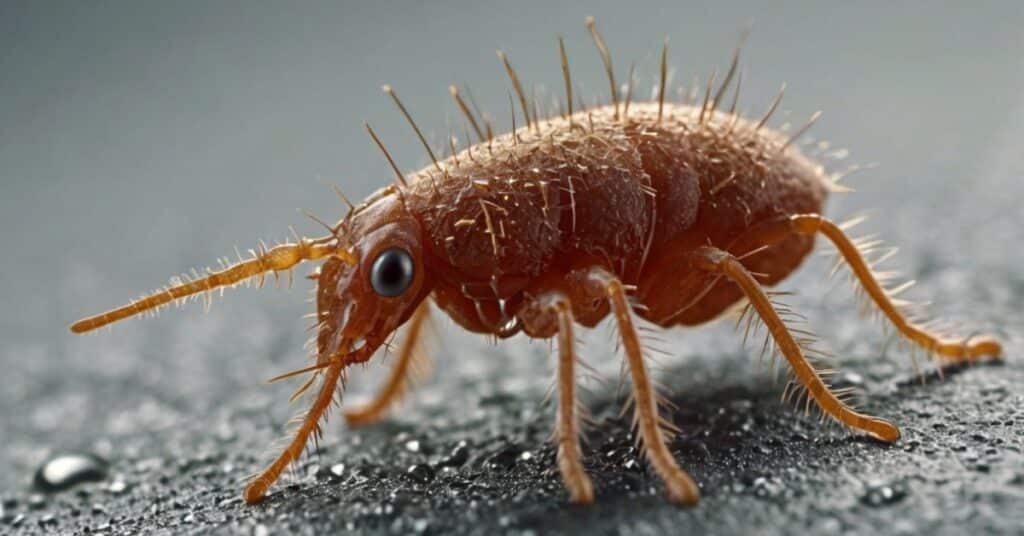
624 193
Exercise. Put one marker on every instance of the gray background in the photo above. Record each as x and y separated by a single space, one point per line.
141 139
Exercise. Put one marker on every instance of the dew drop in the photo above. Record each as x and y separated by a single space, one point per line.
878 495
421 473
117 487
505 459
68 470
36 501
459 456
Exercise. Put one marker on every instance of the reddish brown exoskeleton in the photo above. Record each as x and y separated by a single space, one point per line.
670 212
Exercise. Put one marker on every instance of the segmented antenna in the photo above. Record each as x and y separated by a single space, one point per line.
606 57
387 89
516 86
454 90
387 155
278 259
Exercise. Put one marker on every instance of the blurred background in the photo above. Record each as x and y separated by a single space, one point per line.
139 140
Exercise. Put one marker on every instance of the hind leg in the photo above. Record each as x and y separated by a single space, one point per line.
946 348
397 383
680 487
717 261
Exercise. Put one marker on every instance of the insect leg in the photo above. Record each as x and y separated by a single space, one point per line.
717 261
680 487
947 348
397 382
567 430
259 485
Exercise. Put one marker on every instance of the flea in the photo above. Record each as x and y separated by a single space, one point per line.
673 212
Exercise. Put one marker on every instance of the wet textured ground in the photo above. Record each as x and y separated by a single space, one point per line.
171 414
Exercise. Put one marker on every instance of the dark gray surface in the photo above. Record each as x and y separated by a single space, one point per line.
139 141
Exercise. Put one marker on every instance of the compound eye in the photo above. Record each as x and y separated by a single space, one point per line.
392 272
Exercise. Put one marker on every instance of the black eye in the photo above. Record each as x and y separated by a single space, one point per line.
392 272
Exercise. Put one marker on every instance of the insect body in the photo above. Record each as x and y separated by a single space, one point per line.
670 212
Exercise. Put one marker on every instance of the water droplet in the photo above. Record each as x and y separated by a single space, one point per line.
421 473
767 487
36 501
633 465
506 459
883 494
848 379
68 470
459 456
117 487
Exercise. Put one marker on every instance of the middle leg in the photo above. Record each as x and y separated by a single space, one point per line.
548 312
680 487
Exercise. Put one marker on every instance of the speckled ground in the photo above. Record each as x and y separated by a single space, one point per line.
177 406
470 454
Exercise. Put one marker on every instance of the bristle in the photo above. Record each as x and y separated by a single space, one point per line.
512 110
394 96
516 86
664 78
606 58
310 215
771 109
452 148
567 78
732 68
344 199
629 91
810 122
454 90
735 101
387 155
704 107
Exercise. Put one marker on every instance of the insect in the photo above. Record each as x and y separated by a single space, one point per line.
672 212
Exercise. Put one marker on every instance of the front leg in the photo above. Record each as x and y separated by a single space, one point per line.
397 383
